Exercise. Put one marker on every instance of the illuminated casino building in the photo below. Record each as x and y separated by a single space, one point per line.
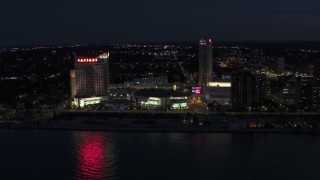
205 62
90 79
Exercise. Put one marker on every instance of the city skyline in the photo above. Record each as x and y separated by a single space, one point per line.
38 23
137 89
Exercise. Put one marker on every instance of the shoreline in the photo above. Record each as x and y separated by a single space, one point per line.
168 130
161 123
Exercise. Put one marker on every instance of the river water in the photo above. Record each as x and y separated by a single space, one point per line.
48 154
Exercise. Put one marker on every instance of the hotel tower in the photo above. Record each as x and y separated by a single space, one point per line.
90 78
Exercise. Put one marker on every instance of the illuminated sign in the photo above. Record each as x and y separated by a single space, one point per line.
154 101
87 60
104 55
203 42
178 98
219 84
196 90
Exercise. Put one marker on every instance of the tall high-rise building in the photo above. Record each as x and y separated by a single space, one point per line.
247 90
91 76
256 55
205 62
316 95
279 65
305 93
316 85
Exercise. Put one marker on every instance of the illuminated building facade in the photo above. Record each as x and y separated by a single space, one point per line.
196 97
205 62
90 78
218 92
161 99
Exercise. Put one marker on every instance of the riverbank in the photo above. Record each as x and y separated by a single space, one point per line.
172 130
166 122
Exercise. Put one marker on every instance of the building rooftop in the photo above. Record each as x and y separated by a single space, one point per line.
159 93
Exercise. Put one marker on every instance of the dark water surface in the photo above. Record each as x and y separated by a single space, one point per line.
44 154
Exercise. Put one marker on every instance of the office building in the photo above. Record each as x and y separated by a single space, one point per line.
299 94
288 94
305 93
247 90
256 55
316 95
279 65
316 69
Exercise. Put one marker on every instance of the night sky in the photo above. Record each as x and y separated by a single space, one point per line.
32 22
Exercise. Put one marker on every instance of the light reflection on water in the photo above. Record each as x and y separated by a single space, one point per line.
94 155
112 155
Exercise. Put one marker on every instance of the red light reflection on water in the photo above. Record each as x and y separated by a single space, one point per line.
91 159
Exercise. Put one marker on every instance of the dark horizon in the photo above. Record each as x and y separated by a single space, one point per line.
243 42
71 22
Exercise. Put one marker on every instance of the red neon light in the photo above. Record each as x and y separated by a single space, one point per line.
87 60
92 160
